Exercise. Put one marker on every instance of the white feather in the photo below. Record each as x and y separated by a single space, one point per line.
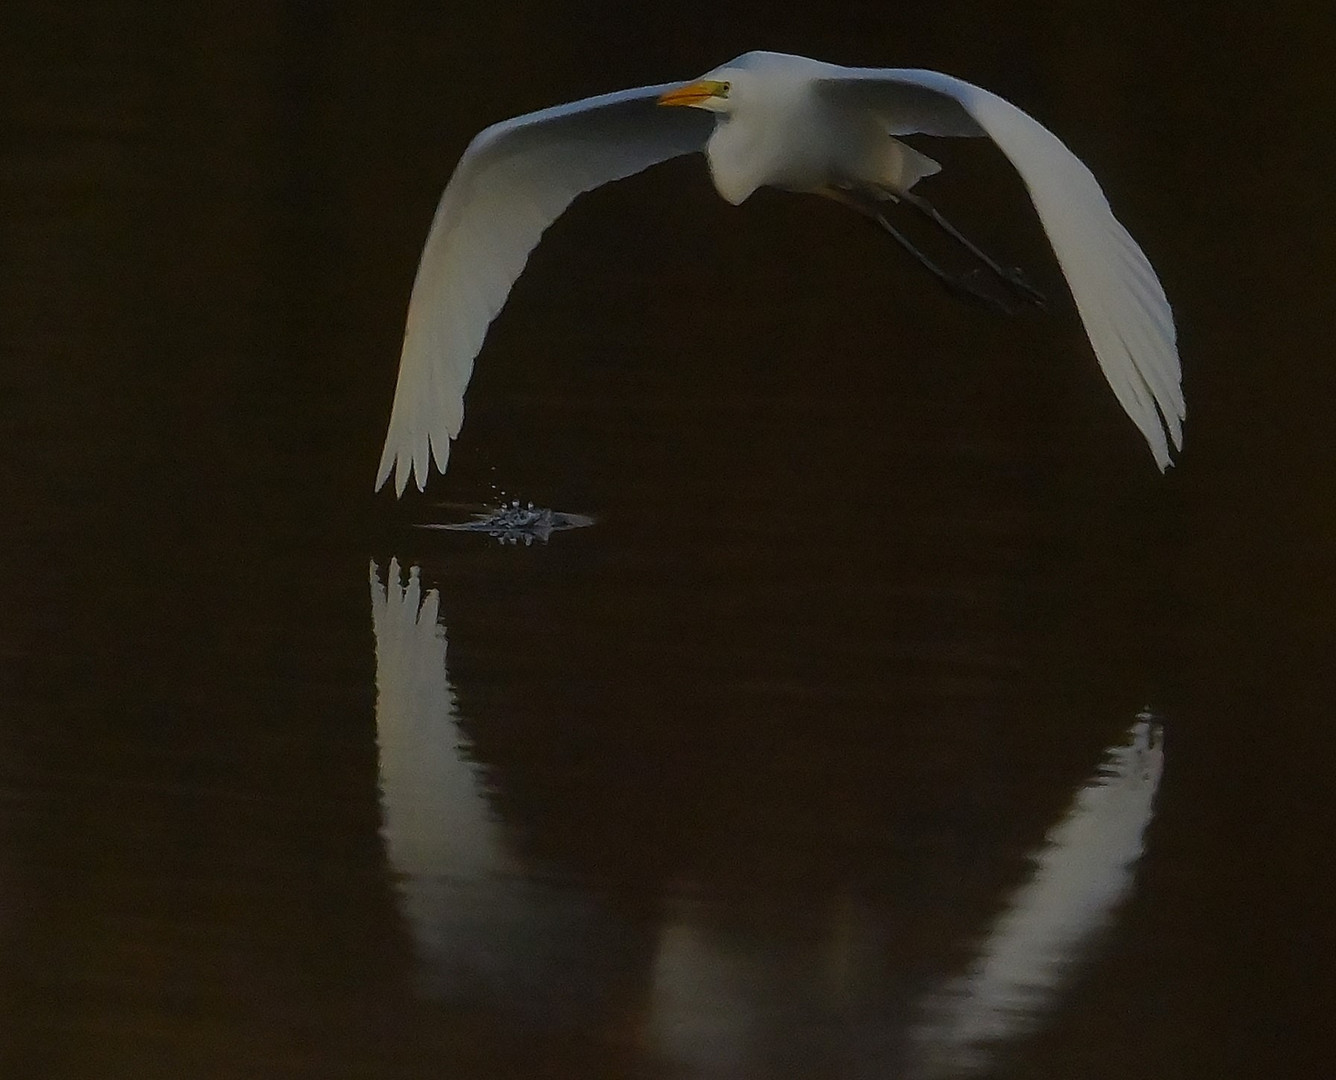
1117 293
783 121
513 181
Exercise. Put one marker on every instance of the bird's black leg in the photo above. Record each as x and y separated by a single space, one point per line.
1013 278
960 286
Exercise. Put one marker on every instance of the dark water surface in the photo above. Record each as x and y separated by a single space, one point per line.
895 719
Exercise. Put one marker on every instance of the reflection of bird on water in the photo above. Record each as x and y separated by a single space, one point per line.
721 988
768 119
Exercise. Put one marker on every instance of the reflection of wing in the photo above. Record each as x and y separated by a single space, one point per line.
1080 874
435 819
513 181
484 934
805 989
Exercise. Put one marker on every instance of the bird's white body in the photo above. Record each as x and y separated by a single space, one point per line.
801 141
765 119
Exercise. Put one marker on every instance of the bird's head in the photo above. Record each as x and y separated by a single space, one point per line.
716 93
746 83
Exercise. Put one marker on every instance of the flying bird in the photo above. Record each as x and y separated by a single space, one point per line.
787 122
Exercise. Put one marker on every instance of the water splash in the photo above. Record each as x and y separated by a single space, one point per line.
516 523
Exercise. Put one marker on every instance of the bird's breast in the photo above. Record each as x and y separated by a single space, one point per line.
799 148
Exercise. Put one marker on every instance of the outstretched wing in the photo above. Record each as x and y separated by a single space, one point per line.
1118 295
513 181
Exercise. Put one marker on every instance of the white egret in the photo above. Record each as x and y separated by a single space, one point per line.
779 121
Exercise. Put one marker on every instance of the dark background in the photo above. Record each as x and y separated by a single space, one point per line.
874 579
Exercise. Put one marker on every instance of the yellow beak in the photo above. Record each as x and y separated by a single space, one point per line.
692 94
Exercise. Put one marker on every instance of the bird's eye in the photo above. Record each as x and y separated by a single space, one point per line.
723 89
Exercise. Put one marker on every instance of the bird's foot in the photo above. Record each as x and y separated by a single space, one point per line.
1015 279
966 288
